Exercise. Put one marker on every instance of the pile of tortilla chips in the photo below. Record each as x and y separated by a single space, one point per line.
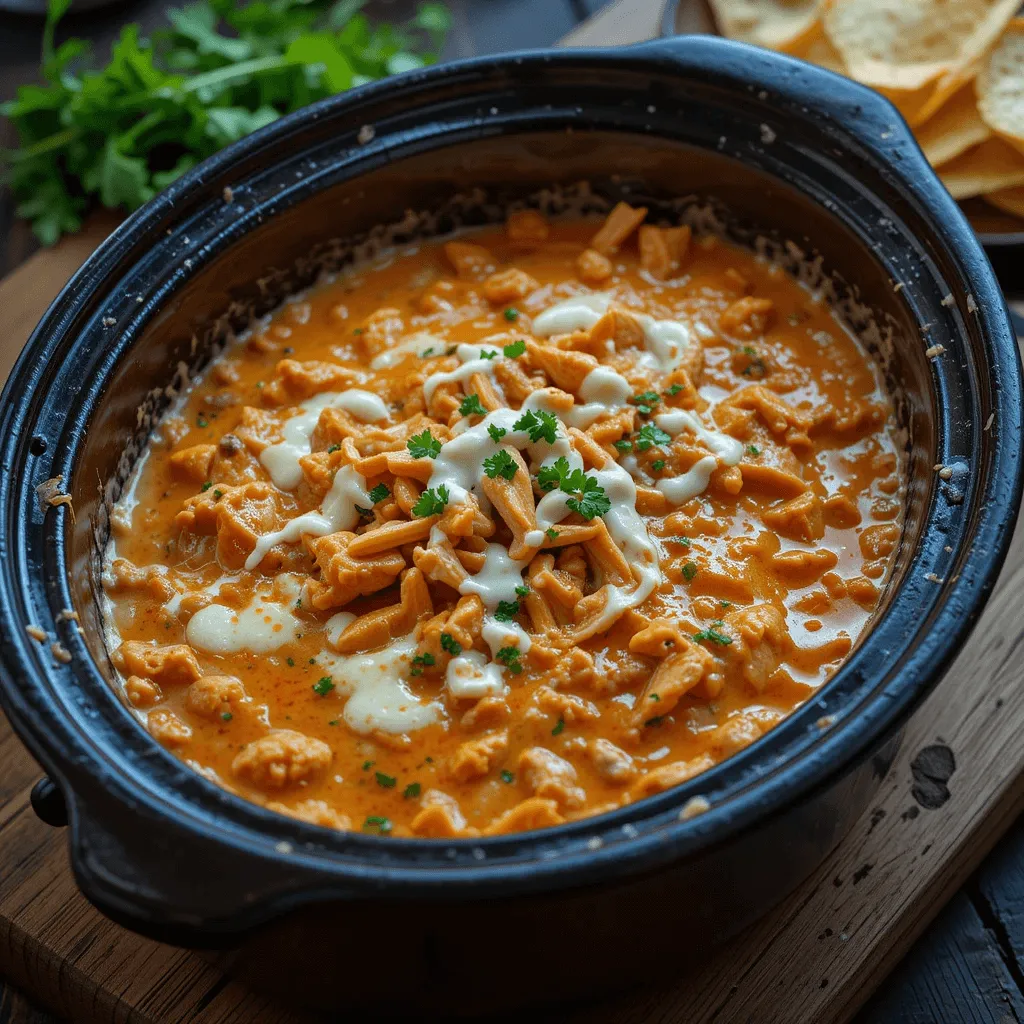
954 68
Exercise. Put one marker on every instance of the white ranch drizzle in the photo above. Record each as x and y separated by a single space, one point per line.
603 391
727 451
470 676
266 624
281 460
472 362
378 697
418 344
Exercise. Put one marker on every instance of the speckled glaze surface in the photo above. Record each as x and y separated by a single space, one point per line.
607 899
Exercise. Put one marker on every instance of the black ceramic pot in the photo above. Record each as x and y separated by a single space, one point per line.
785 151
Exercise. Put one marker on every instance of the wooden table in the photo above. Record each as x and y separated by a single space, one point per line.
969 964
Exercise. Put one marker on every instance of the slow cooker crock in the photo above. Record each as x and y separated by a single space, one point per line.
788 156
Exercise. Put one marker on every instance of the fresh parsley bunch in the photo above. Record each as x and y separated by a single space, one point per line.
119 134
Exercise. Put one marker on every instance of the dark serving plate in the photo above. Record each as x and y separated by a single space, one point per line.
1001 234
774 150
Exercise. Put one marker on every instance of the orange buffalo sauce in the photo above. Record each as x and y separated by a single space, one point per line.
497 533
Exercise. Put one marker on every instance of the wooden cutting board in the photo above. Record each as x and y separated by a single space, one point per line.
816 958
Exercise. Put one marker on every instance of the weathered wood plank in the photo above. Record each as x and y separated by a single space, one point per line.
957 976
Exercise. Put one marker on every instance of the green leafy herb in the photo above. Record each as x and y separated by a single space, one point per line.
424 446
559 727
511 315
421 661
290 662
500 464
431 502
588 497
624 445
202 421
366 513
451 645
551 533
497 433
712 633
488 353
334 448
507 777
522 591
551 476
218 495
685 541
323 686
379 493
470 406
753 450
650 436
375 823
387 781
654 696
725 604
674 390
117 134
517 348
411 791
506 611
646 402
658 465
689 571
539 425
509 657
367 765
226 716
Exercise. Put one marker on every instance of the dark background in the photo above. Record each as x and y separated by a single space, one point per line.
969 964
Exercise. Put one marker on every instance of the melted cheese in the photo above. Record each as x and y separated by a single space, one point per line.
262 626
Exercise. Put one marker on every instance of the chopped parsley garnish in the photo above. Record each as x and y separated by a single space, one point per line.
323 686
588 497
654 696
539 425
202 421
656 720
367 765
756 366
375 823
290 662
431 502
366 513
488 353
551 533
685 541
689 571
650 436
674 389
624 445
509 657
411 791
658 465
511 314
497 433
753 450
559 727
507 776
451 645
420 661
427 352
379 493
646 402
218 495
506 611
522 591
725 604
500 464
226 716
470 406
206 486
387 781
712 633
516 349
334 448
424 446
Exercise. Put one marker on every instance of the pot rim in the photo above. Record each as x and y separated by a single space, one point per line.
637 837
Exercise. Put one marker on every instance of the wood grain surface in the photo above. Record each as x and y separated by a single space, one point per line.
816 958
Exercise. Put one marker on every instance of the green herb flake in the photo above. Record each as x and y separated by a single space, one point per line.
421 661
379 493
624 446
202 421
323 686
658 465
559 727
367 765
378 825
646 402
539 426
470 406
206 486
685 541
334 448
218 495
500 464
424 446
522 591
451 645
488 353
509 657
384 780
753 450
511 315
656 720
651 436
689 571
506 611
515 350
507 777
654 696
551 533
712 634
226 716
366 513
497 433
674 390
431 502
290 662
412 791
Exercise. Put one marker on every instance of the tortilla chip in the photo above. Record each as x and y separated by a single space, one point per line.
954 129
904 46
1011 200
989 167
816 48
775 24
1000 86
